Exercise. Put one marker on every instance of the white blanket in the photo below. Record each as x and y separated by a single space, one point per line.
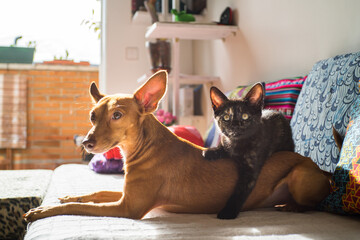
75 179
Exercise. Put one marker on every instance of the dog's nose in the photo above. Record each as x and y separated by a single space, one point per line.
89 144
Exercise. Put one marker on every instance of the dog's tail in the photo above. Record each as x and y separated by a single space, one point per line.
338 138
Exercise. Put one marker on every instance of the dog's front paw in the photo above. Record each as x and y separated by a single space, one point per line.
36 213
68 199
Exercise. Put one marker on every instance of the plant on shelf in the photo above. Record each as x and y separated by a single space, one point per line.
64 60
182 16
16 54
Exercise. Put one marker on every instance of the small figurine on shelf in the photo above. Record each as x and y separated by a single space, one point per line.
165 118
226 17
182 16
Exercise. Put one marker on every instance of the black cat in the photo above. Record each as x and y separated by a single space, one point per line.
249 136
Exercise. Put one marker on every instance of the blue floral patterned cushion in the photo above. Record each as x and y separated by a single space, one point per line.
324 101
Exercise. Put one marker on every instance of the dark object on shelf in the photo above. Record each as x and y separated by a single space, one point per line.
150 7
136 5
194 6
160 54
226 17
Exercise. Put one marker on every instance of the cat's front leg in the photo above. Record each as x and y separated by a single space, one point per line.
230 211
215 153
244 186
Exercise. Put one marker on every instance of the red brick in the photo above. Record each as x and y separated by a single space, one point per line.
49 143
52 104
46 91
38 72
63 73
46 118
37 84
74 91
62 124
46 132
61 85
46 79
62 98
69 132
36 99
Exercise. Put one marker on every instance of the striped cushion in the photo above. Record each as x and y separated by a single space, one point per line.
282 95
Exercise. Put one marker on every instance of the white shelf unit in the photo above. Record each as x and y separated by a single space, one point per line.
189 31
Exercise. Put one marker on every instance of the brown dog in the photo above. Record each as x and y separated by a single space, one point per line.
163 170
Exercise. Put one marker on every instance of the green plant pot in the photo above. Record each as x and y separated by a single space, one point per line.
16 55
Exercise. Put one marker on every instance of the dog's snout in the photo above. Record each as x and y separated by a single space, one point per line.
89 144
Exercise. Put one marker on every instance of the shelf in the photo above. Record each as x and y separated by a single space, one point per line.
144 18
189 31
141 18
192 31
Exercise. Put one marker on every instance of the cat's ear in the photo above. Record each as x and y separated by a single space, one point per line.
217 98
256 95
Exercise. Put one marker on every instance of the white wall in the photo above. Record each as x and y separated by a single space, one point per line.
118 73
277 38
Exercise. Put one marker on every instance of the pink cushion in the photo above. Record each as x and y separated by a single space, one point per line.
189 133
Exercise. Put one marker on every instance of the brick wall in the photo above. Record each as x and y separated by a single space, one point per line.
58 105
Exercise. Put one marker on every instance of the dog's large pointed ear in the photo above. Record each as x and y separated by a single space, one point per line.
256 95
217 98
94 93
151 92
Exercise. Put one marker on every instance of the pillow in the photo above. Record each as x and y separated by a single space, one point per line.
109 162
346 198
282 95
189 133
324 101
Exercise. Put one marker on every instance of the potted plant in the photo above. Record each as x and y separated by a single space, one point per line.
15 54
66 61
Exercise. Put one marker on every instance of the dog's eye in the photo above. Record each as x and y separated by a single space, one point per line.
245 116
116 115
92 117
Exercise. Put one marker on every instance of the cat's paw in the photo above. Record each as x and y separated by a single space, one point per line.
226 214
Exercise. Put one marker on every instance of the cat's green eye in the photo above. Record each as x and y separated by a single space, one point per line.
245 116
226 117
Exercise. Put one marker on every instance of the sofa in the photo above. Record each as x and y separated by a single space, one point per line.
327 97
